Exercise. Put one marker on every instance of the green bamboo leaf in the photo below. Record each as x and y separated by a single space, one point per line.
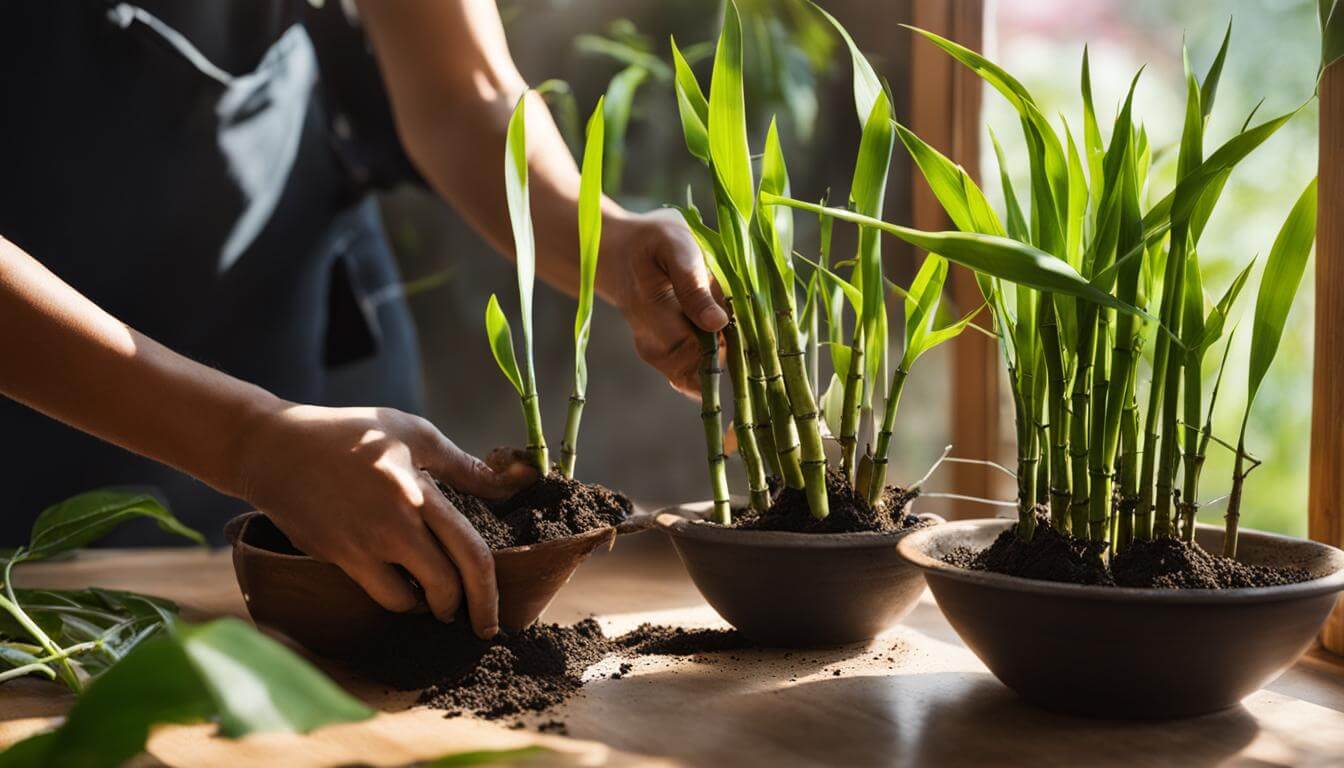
623 52
960 197
997 256
1192 307
850 291
833 399
1208 91
590 240
867 86
691 106
1092 141
501 342
777 226
80 520
1278 286
1223 309
1017 223
620 100
921 308
524 243
728 148
867 194
1180 203
947 333
1076 204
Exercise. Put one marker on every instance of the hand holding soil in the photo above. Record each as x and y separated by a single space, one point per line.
356 487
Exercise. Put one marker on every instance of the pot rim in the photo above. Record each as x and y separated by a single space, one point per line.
675 521
235 528
913 549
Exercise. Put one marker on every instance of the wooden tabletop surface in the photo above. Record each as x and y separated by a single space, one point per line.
915 696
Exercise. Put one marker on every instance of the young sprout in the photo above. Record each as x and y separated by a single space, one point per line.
496 325
590 239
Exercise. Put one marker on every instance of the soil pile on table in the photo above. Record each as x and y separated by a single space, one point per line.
551 508
1165 563
528 671
849 511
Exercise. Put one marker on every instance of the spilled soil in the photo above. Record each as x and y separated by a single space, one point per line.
551 508
849 511
1165 563
521 672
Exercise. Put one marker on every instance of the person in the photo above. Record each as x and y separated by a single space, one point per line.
190 246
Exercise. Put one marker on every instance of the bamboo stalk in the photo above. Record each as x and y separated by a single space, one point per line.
569 443
1188 507
1100 522
1157 395
536 441
849 409
878 481
1079 501
1166 467
777 397
744 417
802 402
711 415
760 402
1060 492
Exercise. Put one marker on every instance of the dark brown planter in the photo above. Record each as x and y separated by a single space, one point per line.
318 606
796 589
1124 652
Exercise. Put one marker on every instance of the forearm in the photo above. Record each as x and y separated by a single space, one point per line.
453 87
64 356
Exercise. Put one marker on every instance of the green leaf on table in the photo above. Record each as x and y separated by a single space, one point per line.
224 671
501 342
83 519
1278 287
590 240
117 621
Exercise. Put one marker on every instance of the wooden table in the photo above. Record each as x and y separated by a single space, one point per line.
915 696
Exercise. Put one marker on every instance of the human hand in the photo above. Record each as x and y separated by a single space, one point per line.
652 270
355 487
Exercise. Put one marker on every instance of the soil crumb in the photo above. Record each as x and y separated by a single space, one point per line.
1169 563
850 512
1165 563
551 508
656 640
525 672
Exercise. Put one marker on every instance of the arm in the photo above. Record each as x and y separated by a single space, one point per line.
453 86
345 484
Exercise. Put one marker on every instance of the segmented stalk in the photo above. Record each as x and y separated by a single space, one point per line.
1154 416
1079 501
1028 454
1233 516
849 409
777 397
1134 519
744 418
1060 491
878 481
1194 457
802 402
536 441
569 451
760 402
1170 449
711 415
1098 466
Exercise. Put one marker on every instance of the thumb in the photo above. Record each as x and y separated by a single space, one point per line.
452 466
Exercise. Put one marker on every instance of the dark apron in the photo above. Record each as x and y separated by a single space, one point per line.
175 163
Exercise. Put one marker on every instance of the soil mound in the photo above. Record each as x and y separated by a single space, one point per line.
850 512
551 508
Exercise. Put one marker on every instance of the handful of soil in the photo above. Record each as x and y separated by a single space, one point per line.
850 512
553 507
1164 563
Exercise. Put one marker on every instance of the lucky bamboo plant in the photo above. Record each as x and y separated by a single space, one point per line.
1110 459
497 325
776 412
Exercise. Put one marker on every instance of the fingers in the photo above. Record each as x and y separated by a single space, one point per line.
475 564
685 267
430 566
383 583
451 465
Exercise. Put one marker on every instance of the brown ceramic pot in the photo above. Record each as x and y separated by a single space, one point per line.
796 589
321 608
1125 652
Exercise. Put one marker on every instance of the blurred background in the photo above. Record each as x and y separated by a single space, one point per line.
641 437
